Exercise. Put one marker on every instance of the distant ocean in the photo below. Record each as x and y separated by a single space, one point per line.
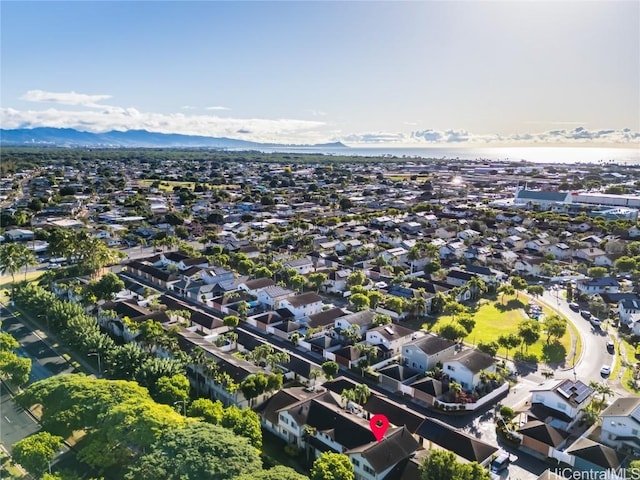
553 155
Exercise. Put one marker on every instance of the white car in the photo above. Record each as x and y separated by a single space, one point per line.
605 371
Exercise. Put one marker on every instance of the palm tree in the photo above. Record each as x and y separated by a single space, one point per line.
313 375
455 389
603 389
10 261
361 393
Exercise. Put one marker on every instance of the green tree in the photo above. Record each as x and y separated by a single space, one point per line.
443 465
279 472
508 342
208 410
173 389
317 280
380 319
597 272
330 369
490 348
106 287
200 451
359 301
332 466
467 322
529 332
231 321
10 261
519 284
505 289
395 304
554 326
453 331
36 451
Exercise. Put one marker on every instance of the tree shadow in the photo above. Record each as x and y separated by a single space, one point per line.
554 352
512 304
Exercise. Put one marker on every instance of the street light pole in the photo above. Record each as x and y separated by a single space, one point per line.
99 364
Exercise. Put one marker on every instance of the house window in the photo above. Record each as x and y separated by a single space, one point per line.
368 469
355 462
449 367
634 432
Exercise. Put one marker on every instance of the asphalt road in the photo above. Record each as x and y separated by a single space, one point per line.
15 423
46 362
594 342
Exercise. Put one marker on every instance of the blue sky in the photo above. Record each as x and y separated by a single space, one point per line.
423 73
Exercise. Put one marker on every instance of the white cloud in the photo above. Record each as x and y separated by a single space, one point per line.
117 118
65 98
91 115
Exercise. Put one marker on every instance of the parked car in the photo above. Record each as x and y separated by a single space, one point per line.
586 314
500 463
574 306
605 371
611 348
595 321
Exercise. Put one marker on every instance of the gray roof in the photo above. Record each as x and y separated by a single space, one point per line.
432 344
542 196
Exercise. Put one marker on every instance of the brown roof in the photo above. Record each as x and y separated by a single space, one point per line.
304 299
259 283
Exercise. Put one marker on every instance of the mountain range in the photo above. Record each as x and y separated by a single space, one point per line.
69 137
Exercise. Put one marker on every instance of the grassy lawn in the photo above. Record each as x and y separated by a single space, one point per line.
494 319
273 449
5 280
631 363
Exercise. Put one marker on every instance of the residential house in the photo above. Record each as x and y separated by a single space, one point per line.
256 285
627 308
19 235
594 460
424 353
529 266
592 255
598 285
324 319
469 234
458 278
453 250
514 242
541 438
302 305
361 319
272 296
466 367
538 245
620 427
390 338
560 251
301 265
337 280
563 397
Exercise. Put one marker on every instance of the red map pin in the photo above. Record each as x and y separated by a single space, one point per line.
379 425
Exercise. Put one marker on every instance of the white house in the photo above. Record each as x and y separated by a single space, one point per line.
564 396
627 307
300 265
561 251
303 305
390 338
362 319
272 296
528 265
621 425
465 367
598 285
424 353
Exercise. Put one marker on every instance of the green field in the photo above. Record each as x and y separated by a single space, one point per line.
494 319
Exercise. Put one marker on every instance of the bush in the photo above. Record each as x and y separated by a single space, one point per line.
507 413
526 357
291 450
